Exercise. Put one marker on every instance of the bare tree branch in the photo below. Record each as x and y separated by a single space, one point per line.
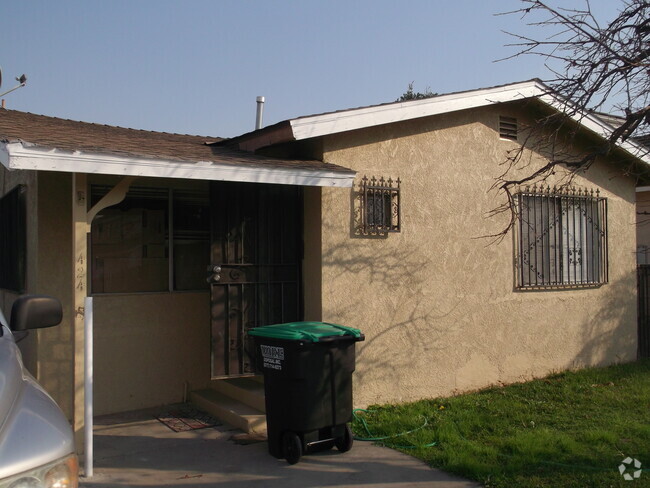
595 68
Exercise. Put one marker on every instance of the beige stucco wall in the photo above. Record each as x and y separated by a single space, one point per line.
47 353
150 347
437 302
54 268
8 181
147 347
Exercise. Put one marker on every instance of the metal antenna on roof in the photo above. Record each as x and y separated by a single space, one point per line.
22 80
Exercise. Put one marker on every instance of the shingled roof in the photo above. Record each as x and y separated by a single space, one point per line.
68 136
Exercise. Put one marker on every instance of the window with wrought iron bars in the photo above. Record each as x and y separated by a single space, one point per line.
562 238
380 205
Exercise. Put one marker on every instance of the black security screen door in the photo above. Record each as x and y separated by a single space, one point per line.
255 272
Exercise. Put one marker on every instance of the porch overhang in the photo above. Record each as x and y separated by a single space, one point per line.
240 167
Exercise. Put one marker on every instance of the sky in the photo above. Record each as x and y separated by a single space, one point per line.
197 66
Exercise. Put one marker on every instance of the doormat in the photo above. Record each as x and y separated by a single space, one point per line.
187 418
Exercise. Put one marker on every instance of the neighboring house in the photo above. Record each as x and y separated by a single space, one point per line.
643 225
371 217
643 213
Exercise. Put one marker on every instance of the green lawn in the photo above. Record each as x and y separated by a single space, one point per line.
570 429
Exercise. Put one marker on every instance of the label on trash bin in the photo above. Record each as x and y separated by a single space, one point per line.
272 356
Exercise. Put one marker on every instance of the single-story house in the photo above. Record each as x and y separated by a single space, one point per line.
373 217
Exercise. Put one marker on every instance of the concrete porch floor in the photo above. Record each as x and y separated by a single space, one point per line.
136 450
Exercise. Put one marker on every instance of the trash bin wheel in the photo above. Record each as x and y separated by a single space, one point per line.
291 447
344 443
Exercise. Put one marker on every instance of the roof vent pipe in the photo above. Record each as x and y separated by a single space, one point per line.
260 112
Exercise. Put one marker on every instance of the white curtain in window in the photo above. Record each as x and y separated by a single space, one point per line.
581 240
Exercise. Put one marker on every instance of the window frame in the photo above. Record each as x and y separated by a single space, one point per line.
561 239
172 239
380 205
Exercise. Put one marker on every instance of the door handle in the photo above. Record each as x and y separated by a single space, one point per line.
215 273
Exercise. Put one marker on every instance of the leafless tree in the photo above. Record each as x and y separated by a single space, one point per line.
597 68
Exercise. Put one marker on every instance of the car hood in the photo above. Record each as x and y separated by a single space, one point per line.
33 430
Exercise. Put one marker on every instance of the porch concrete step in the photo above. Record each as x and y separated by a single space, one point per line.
229 410
247 390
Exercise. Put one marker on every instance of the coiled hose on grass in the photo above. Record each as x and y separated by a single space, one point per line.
370 437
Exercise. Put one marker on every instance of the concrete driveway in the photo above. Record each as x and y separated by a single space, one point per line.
136 450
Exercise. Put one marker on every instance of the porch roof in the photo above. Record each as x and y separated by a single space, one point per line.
38 142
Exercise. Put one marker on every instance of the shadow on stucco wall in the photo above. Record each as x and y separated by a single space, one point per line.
389 293
430 333
611 333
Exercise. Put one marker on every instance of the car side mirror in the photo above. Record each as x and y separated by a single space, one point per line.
35 312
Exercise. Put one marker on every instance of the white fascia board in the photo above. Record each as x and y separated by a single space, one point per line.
332 123
595 124
641 189
28 157
320 125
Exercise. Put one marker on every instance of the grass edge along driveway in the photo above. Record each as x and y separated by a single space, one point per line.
572 429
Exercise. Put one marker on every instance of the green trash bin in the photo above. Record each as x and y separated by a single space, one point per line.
307 369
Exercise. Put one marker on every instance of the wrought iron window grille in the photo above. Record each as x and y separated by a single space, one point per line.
561 238
380 205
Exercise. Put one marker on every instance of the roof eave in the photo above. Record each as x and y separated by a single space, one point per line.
336 122
19 155
595 124
267 136
346 120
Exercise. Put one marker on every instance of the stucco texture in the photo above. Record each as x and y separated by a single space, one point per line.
8 181
47 353
437 302
55 344
147 347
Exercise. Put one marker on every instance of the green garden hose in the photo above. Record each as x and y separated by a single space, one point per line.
380 439
372 438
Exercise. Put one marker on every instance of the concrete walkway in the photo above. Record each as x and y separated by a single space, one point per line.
136 450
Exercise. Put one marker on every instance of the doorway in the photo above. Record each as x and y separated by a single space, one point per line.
255 272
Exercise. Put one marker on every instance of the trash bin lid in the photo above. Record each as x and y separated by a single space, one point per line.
305 331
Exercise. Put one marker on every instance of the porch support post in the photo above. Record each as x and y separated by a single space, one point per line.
80 230
82 219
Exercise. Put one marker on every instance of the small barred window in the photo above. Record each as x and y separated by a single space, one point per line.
380 205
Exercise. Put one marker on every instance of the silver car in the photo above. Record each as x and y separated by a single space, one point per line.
37 447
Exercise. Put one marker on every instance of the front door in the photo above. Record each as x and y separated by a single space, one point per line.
255 271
